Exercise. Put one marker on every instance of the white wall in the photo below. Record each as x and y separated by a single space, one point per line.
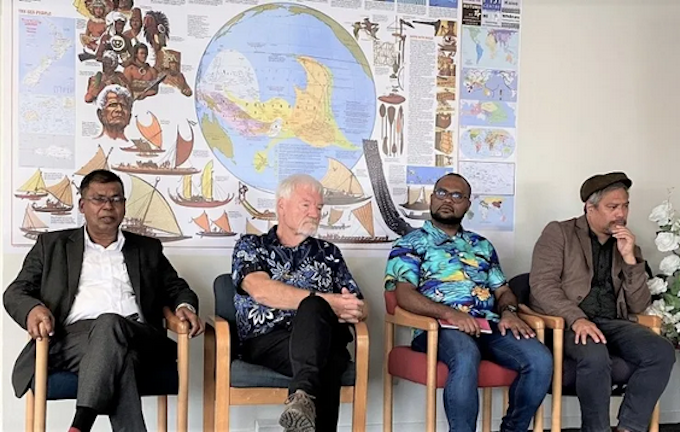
597 93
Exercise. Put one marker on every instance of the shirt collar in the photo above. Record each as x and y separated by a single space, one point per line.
273 239
440 237
115 246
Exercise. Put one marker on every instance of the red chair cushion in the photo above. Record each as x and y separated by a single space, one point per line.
411 365
390 301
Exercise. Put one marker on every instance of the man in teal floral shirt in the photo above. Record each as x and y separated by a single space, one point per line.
445 272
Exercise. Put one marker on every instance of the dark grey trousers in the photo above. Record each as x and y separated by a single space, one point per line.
105 353
650 354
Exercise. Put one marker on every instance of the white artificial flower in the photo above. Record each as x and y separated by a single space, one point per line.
677 327
676 226
662 214
667 241
658 308
657 286
669 265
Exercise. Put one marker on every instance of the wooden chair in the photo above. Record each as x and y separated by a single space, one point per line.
165 379
564 370
423 368
230 381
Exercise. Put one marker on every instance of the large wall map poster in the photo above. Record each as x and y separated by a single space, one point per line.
202 106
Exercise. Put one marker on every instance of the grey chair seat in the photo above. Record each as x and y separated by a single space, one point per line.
244 375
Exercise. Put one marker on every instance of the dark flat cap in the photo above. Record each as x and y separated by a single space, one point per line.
601 181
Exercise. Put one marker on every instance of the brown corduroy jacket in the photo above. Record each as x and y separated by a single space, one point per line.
562 271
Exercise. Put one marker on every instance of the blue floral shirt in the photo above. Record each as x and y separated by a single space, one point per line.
313 265
460 271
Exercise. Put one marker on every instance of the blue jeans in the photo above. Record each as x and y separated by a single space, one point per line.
462 354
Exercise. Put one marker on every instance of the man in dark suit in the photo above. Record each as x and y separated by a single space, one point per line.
99 294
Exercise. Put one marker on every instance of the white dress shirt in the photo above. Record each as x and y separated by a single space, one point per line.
104 285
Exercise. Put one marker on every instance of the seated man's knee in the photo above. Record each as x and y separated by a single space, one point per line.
660 352
459 350
314 304
108 322
594 357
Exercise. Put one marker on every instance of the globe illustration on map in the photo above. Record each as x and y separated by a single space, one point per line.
282 89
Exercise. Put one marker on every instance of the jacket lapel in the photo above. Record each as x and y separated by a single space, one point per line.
74 263
131 256
582 232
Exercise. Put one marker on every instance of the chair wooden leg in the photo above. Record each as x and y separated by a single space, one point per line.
222 389
40 378
209 379
538 419
486 409
360 386
30 406
431 397
558 353
506 399
183 391
654 423
162 413
387 379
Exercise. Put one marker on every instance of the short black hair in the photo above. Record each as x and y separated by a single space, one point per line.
100 176
452 174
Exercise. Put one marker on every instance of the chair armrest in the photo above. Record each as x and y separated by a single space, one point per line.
651 321
536 323
361 333
222 336
551 322
173 323
407 319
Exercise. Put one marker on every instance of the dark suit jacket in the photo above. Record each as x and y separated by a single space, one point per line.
50 277
562 273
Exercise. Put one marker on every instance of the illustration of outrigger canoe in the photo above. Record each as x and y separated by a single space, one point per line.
255 213
100 160
63 199
333 218
151 142
364 215
34 188
205 197
148 213
340 185
418 204
183 149
32 226
252 229
219 227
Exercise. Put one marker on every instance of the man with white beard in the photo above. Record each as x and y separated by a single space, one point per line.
294 299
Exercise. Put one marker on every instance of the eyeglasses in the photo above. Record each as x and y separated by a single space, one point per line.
457 197
101 200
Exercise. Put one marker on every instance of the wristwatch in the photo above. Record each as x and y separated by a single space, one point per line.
511 308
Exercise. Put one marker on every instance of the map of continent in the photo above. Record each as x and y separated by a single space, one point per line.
283 88
493 48
483 143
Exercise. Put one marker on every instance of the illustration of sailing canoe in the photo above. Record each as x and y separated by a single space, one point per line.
252 229
151 142
32 226
183 149
340 185
364 215
204 198
34 188
63 199
255 213
148 213
333 218
98 161
220 227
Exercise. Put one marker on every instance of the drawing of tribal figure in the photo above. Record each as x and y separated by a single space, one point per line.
108 75
114 110
172 68
134 33
96 25
140 74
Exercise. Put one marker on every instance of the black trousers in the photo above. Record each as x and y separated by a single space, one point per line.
313 351
106 353
653 358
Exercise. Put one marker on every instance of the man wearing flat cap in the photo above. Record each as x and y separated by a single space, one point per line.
589 271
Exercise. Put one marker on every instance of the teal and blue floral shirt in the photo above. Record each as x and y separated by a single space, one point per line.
460 271
313 265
